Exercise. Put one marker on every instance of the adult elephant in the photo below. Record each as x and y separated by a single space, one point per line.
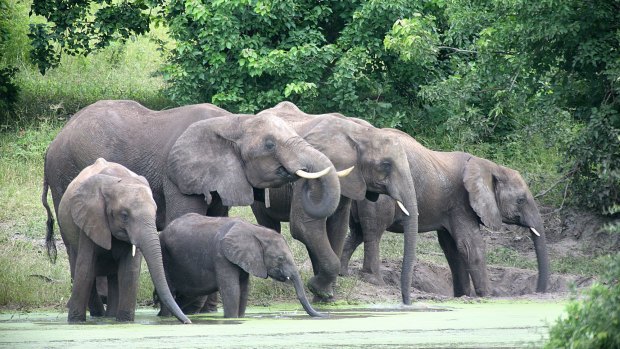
193 160
105 211
379 165
456 192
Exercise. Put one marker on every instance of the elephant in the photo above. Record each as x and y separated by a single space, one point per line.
456 192
105 213
377 164
203 254
194 160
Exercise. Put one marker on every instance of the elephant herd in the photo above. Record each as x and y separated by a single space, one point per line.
128 182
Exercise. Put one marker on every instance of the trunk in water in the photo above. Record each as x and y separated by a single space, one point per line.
410 230
151 250
301 295
540 245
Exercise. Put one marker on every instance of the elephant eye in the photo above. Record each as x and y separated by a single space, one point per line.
386 166
520 201
270 144
124 216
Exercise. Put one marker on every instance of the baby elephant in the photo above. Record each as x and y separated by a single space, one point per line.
205 254
105 213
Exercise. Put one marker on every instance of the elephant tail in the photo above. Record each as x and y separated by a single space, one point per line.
50 243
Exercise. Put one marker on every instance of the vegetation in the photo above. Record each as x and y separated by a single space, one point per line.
593 320
455 74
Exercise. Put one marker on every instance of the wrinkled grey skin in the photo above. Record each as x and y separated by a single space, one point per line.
205 254
193 160
105 210
380 167
456 192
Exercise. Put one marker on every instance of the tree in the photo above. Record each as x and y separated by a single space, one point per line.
498 72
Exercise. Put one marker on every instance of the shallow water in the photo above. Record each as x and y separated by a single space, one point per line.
451 325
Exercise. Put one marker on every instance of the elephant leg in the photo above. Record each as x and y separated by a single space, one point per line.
351 243
83 281
471 248
262 218
325 262
228 281
128 282
337 225
244 282
460 276
371 268
113 295
210 303
95 304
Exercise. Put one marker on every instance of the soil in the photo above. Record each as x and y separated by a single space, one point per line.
570 233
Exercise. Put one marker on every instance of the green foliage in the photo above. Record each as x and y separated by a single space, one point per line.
78 27
9 48
593 320
466 75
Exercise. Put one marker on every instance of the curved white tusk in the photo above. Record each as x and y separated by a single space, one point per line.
133 250
312 175
346 172
534 231
402 207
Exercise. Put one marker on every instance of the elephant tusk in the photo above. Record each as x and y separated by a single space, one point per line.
311 175
133 250
534 231
267 200
346 172
402 207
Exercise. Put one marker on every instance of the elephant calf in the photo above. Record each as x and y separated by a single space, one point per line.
203 254
105 213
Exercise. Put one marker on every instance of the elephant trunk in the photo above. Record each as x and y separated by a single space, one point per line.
542 257
410 230
320 197
301 296
151 249
404 193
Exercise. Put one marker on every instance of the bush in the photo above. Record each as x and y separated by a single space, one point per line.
593 321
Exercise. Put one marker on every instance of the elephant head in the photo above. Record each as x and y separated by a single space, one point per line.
498 194
263 253
233 155
106 207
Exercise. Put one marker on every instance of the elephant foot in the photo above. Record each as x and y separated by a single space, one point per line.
75 316
208 308
317 299
372 278
124 316
320 291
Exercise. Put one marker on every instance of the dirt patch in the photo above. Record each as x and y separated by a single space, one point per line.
570 234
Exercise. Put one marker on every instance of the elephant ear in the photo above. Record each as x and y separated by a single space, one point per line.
478 180
205 159
242 248
88 209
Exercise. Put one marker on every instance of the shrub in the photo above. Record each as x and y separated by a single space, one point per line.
594 320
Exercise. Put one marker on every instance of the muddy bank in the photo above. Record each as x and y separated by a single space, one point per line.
570 234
